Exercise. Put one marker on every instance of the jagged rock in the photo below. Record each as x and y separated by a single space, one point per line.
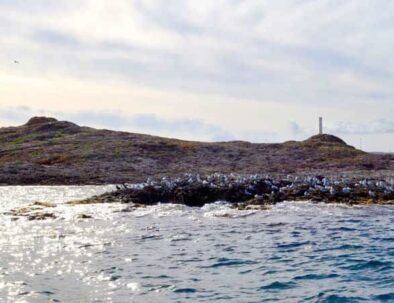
40 216
33 211
44 204
111 197
40 120
248 192
84 216
257 207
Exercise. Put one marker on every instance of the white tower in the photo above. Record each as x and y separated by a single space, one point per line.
320 125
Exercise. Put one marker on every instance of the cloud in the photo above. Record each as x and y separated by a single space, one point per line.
55 38
378 126
295 129
16 114
209 47
152 124
309 58
371 127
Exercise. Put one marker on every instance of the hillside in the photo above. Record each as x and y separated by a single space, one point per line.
47 151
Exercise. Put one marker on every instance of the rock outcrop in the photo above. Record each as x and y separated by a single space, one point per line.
245 191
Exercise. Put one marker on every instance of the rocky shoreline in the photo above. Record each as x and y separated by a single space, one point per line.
248 192
243 192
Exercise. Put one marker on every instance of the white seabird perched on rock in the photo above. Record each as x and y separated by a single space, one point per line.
326 182
371 194
380 184
332 191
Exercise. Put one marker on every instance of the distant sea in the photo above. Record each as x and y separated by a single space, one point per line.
294 252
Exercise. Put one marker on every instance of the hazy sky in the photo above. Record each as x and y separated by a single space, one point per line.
257 70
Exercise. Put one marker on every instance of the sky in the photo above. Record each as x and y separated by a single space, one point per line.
255 70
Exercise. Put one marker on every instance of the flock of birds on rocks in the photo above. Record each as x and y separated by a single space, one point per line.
247 192
261 187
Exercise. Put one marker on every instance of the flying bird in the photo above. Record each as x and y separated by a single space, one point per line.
16 62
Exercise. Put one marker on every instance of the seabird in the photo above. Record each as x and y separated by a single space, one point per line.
332 191
371 194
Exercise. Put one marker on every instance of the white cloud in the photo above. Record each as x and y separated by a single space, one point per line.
379 126
252 65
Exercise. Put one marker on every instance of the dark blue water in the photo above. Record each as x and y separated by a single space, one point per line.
295 252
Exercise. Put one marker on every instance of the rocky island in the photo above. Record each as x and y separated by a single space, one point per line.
248 192
243 192
151 170
50 152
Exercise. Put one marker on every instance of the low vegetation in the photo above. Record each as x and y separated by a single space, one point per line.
47 151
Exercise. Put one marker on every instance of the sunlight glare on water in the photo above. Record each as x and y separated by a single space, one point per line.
294 252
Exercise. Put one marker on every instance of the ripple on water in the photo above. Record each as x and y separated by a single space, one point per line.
185 290
371 264
224 262
295 252
389 297
316 277
278 286
340 299
292 246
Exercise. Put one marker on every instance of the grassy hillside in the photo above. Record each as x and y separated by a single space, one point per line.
47 151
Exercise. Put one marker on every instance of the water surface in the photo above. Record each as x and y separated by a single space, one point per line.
295 252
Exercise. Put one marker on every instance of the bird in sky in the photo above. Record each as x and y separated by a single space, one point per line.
16 62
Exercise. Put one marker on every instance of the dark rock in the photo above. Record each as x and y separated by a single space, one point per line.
325 138
248 192
84 216
40 120
44 127
44 204
41 216
34 211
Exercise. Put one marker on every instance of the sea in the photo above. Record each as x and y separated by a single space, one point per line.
292 252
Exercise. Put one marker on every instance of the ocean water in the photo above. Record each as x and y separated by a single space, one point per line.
294 252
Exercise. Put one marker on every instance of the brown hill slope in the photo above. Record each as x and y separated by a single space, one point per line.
47 151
